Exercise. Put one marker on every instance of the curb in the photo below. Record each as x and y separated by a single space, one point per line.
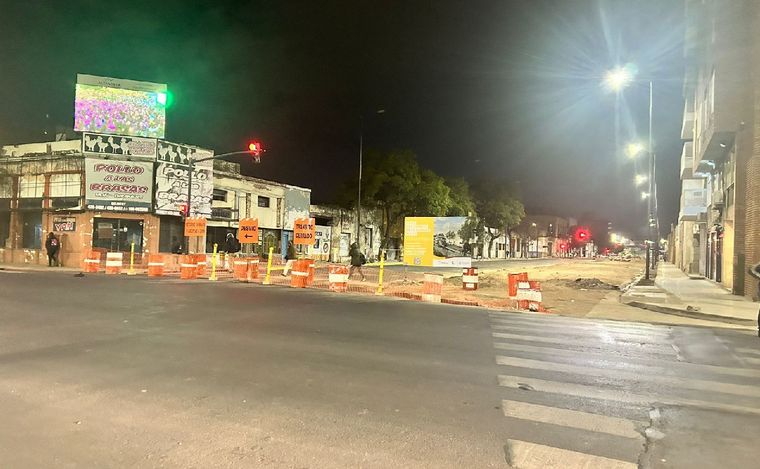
691 314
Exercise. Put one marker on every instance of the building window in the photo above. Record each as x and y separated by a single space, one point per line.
263 201
220 195
65 191
31 186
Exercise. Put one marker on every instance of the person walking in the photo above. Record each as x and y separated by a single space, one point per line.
52 246
290 258
357 261
755 272
231 247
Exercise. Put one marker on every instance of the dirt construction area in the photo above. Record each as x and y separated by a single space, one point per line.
570 287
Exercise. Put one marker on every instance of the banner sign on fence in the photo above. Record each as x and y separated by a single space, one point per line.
436 241
304 231
248 231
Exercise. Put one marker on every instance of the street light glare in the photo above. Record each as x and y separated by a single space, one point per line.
618 78
644 195
641 179
633 149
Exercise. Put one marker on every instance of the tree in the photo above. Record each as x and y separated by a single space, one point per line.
394 183
499 210
460 196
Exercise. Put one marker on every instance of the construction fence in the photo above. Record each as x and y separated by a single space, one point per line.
393 279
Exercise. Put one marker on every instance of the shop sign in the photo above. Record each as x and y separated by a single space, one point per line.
61 224
118 186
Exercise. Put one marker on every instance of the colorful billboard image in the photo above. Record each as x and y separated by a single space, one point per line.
435 242
124 107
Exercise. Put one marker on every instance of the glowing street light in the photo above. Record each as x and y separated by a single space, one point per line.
644 195
641 179
633 149
618 78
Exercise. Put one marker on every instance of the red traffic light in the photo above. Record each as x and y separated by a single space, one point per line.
255 148
582 235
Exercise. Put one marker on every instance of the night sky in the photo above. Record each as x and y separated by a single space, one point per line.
508 90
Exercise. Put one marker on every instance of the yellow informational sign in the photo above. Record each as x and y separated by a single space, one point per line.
436 242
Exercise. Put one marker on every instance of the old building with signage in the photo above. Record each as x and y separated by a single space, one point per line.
109 192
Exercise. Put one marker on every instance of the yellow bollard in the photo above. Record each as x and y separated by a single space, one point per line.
380 277
131 270
269 266
213 264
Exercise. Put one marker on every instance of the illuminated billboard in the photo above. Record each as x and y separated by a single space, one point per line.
437 241
123 107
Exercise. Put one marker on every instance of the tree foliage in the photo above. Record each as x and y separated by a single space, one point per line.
461 203
498 208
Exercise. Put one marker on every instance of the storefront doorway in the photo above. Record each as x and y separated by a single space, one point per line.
117 234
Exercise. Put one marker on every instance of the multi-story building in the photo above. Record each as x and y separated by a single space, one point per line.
100 198
720 135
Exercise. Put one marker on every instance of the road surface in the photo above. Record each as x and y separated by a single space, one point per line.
132 372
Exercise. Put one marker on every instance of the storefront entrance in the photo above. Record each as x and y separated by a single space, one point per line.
117 234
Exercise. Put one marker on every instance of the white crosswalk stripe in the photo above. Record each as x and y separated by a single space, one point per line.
571 418
527 455
552 368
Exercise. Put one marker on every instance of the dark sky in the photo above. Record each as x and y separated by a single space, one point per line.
504 89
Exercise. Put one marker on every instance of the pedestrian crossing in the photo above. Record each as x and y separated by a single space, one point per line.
580 393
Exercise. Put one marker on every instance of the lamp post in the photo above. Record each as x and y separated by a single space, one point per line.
617 80
359 194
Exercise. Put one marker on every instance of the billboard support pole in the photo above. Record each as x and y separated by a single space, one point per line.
189 198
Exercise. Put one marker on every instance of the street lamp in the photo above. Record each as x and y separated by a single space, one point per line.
641 179
616 80
633 149
361 161
644 195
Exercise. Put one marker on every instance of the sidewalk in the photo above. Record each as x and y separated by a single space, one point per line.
676 293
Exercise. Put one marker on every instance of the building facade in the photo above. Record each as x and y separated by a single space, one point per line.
111 202
718 219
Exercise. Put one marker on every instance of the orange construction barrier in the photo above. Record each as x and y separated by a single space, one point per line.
114 262
200 262
240 269
92 262
311 269
253 268
155 265
431 288
338 278
188 267
470 278
513 280
299 274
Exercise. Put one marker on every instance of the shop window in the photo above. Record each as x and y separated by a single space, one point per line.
116 234
263 202
170 234
31 233
218 235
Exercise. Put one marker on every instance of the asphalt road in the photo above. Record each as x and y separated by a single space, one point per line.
131 372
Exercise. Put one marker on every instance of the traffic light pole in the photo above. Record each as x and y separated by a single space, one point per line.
190 167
